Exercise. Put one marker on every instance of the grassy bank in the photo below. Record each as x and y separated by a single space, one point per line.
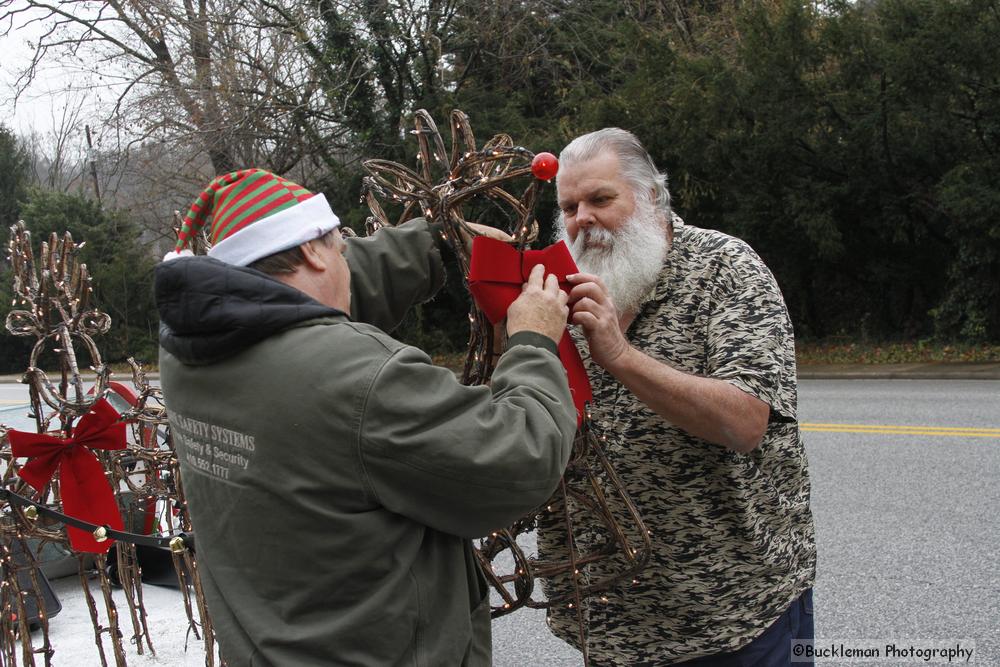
847 352
807 353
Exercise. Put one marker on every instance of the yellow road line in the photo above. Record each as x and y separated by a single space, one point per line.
8 402
885 429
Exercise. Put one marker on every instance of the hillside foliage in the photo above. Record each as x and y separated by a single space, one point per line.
854 145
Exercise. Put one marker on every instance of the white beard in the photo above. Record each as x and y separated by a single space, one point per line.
628 261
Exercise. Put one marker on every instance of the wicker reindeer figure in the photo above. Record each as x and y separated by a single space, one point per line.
446 188
98 472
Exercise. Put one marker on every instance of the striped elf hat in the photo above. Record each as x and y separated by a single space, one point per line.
253 213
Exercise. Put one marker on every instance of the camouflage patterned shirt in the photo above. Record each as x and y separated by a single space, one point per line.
732 533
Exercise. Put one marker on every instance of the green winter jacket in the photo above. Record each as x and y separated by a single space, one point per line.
334 475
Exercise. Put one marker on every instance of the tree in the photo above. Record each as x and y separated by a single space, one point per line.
15 166
216 76
853 144
849 143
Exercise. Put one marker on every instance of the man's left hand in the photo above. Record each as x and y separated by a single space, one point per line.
595 312
482 230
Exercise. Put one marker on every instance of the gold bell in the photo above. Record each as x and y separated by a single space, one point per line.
30 512
177 545
100 534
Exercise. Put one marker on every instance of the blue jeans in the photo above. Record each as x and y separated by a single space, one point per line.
773 648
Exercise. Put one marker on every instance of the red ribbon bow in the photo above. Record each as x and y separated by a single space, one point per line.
86 493
496 273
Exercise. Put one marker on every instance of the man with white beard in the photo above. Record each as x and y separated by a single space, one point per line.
690 351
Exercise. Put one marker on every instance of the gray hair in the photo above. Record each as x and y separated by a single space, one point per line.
289 261
636 166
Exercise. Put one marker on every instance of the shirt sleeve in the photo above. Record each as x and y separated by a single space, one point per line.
467 460
393 270
750 339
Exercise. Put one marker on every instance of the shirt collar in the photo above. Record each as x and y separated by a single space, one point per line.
662 287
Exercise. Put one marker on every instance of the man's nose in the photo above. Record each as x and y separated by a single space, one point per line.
585 216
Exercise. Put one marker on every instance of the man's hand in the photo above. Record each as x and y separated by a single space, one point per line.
482 230
708 408
594 311
541 306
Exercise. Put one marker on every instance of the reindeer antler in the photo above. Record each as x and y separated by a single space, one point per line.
55 305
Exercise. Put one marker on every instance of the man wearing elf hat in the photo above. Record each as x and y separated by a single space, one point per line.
333 474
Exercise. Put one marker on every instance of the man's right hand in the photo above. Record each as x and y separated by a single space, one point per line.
541 306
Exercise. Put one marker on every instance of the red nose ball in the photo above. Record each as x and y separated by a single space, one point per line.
545 166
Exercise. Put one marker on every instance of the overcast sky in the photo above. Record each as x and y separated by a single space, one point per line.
14 54
42 105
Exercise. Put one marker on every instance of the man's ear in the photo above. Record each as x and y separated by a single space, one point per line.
313 259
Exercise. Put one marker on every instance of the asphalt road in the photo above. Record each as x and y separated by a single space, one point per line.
905 494
906 524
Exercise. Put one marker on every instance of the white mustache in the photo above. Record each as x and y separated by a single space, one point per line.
594 236
627 260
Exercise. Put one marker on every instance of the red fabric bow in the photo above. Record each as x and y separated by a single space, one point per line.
86 493
496 273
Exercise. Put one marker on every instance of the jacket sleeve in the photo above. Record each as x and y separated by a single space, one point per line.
467 460
392 271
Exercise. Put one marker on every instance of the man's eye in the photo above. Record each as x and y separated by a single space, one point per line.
569 210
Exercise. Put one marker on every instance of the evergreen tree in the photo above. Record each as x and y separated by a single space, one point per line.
14 179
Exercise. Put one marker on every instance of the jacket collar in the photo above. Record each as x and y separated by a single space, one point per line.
210 310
